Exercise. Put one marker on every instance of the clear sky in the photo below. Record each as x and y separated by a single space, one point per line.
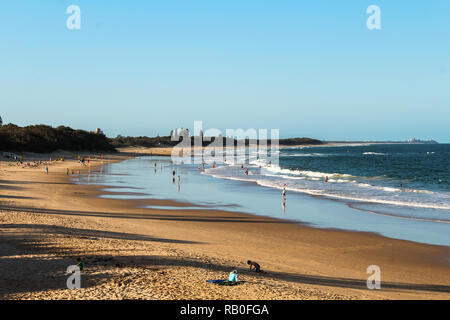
309 68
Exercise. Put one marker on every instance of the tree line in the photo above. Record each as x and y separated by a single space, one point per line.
42 138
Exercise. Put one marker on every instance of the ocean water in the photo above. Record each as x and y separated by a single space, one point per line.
409 180
399 191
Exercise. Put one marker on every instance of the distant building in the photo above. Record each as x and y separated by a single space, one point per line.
180 132
414 140
98 131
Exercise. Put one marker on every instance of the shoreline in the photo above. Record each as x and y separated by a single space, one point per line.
167 151
302 261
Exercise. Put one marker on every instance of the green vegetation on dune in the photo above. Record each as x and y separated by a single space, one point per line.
43 138
299 141
121 141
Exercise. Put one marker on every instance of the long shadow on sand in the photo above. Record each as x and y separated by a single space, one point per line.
22 273
15 197
86 233
20 182
29 260
51 274
147 216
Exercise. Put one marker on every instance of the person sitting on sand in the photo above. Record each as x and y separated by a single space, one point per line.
233 276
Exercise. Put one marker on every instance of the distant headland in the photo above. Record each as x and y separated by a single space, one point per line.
43 138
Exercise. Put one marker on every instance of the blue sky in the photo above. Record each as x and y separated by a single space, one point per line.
309 68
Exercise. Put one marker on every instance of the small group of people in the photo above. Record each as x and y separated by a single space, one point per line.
202 167
245 169
257 171
83 160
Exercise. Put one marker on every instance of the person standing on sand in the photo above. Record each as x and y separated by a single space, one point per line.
46 169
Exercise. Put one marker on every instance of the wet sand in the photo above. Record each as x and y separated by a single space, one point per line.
47 221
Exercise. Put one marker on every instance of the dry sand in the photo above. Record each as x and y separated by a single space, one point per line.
47 221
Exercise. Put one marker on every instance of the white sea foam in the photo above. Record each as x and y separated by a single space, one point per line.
374 153
339 186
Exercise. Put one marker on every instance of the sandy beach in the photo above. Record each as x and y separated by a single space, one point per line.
130 252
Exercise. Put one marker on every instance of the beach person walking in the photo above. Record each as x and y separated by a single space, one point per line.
46 169
326 179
